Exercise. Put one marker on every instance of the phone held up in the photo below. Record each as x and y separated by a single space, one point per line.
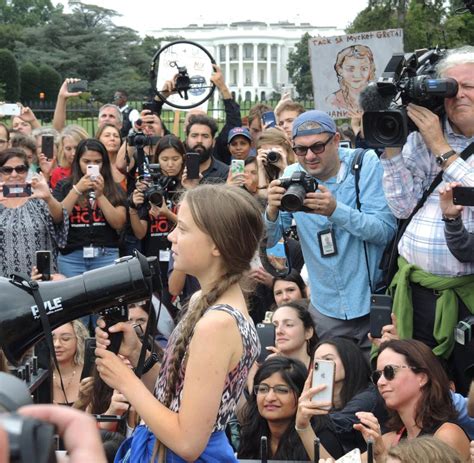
380 313
10 109
17 190
43 264
463 195
324 372
266 334
79 86
269 119
237 166
192 165
93 171
47 146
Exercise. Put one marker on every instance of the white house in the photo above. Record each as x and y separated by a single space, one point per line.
252 54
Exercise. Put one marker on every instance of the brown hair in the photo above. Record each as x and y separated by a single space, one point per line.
233 220
289 106
11 153
426 449
435 405
277 137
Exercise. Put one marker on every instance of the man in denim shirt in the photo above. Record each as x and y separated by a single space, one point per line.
333 231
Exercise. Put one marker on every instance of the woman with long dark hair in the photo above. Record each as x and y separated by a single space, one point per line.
271 411
96 211
416 391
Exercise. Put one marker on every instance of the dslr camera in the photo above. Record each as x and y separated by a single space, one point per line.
296 187
161 186
406 79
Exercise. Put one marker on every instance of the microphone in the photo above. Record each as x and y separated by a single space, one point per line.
371 99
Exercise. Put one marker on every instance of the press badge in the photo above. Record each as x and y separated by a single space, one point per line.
327 243
89 252
165 255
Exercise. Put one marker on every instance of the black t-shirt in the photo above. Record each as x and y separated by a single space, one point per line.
87 224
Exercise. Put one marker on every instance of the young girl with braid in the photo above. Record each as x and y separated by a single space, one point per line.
213 347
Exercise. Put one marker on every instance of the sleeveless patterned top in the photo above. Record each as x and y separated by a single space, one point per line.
235 380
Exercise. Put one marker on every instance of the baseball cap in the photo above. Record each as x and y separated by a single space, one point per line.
242 131
313 123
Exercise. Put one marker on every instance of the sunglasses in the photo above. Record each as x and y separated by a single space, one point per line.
317 148
388 372
7 170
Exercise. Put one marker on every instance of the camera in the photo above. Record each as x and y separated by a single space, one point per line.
139 139
161 186
296 187
406 79
273 157
29 440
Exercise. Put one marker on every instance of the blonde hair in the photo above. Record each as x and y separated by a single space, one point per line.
77 133
279 138
426 449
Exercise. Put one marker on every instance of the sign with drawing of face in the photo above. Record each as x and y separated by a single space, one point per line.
342 66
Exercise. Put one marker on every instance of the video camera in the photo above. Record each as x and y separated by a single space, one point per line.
140 140
409 78
161 187
296 187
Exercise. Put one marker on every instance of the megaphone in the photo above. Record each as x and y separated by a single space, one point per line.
129 279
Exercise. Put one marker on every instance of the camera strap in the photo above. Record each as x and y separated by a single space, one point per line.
356 168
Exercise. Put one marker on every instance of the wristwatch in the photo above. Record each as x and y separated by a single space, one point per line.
442 158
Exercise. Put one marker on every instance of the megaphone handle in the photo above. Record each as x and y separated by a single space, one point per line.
115 341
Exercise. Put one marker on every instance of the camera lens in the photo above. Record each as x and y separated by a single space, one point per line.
273 157
292 200
156 198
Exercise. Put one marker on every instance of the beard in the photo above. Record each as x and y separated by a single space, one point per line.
204 153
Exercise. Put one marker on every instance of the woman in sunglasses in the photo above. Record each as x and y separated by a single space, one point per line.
26 216
416 392
271 410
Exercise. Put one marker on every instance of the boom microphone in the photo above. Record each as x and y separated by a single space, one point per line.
371 99
128 280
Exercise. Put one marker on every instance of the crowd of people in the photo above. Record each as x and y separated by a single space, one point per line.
294 239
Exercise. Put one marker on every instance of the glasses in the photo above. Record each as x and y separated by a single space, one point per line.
64 339
264 389
388 372
7 170
317 148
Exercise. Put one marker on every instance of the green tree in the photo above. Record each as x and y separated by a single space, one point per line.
29 82
299 67
49 82
9 75
26 12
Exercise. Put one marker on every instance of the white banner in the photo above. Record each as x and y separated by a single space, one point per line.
342 66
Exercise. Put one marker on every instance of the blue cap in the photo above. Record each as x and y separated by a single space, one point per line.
242 131
313 123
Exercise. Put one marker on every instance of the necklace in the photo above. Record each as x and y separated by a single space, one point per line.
57 381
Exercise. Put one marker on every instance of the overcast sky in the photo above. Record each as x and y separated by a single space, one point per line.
147 15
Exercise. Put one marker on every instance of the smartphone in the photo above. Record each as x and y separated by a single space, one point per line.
10 109
266 334
192 165
237 166
89 357
79 86
269 119
17 190
43 264
463 195
93 170
380 313
47 146
323 373
108 418
344 144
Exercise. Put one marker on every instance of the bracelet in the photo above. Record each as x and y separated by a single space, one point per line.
301 429
74 187
451 219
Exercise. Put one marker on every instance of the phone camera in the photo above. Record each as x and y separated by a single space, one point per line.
316 365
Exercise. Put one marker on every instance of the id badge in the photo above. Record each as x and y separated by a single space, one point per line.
165 255
89 252
327 243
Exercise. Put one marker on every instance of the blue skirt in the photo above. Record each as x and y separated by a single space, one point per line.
139 449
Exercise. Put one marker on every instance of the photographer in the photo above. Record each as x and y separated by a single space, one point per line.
431 283
339 276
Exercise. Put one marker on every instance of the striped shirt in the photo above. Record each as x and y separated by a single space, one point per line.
406 177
